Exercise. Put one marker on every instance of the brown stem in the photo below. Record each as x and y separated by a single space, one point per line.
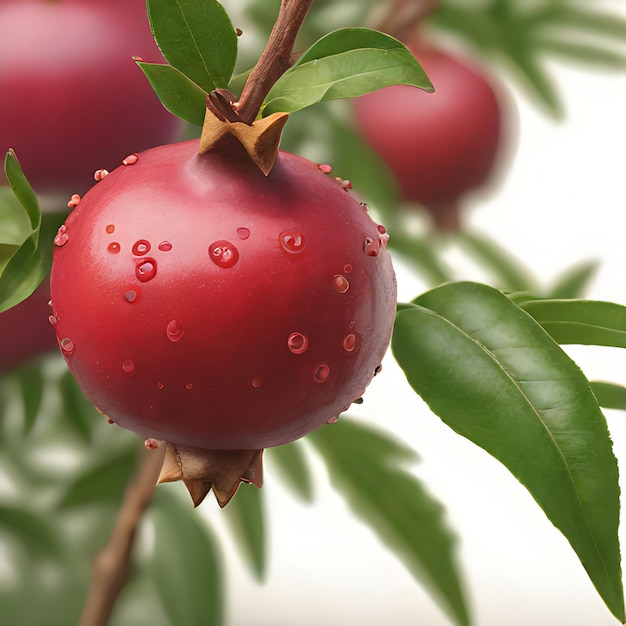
112 564
275 59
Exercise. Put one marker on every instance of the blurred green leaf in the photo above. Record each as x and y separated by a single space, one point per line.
609 395
588 322
178 94
103 481
574 282
364 465
197 38
31 530
291 464
347 72
77 410
496 377
186 565
31 381
246 516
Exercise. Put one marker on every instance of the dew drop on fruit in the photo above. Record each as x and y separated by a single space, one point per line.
151 444
61 237
67 345
321 373
131 159
128 366
141 247
223 253
371 247
243 233
98 175
349 342
378 369
114 247
333 420
74 201
340 283
54 320
146 270
130 295
325 168
110 229
165 246
175 330
347 268
297 343
257 381
189 386
292 241
160 385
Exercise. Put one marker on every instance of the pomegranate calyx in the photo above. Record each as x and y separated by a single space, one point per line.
220 470
260 139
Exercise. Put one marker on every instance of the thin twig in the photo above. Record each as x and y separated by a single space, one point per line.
111 566
274 60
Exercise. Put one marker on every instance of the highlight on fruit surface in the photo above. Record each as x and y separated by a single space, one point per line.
202 303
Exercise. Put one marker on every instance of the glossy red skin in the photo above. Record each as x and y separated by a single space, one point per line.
25 331
231 381
72 99
439 145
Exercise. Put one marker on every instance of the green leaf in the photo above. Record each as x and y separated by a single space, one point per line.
496 377
197 38
178 94
609 395
22 189
186 565
77 410
101 482
31 381
364 465
574 282
597 55
331 70
587 322
291 464
246 516
33 532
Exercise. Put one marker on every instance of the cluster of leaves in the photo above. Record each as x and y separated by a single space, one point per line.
507 385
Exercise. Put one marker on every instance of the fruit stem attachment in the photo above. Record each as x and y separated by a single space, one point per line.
274 60
111 566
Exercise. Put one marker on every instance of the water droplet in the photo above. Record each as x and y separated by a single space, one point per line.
165 246
131 159
110 229
110 421
54 320
175 331
357 401
67 345
340 283
223 253
371 246
146 270
349 342
151 444
100 174
243 233
74 201
189 386
128 366
257 382
345 184
114 247
297 343
292 241
333 420
61 237
378 369
381 229
141 247
131 295
321 373
347 268
160 385
325 168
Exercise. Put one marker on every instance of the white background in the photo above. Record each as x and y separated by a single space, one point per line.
563 201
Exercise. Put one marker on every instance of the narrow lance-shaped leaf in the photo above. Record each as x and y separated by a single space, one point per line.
588 322
246 515
291 463
330 70
364 465
609 395
496 377
197 38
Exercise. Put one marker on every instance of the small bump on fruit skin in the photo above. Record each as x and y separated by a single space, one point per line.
264 317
